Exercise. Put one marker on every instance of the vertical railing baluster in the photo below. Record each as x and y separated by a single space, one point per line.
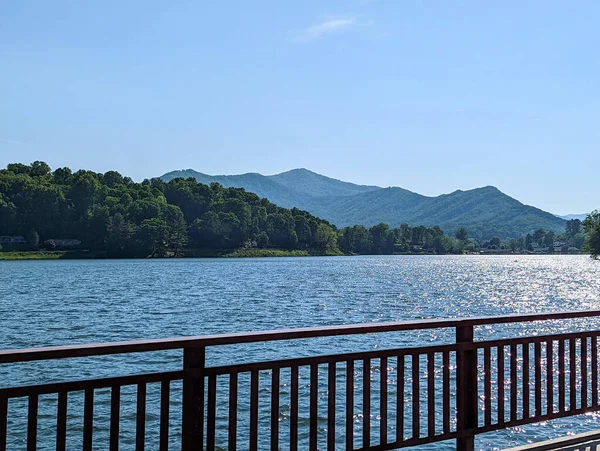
165 396
313 405
513 382
254 410
383 401
140 418
467 391
537 352
525 350
446 392
350 404
561 375
331 394
193 399
400 400
211 413
416 397
314 408
233 401
572 374
61 421
88 419
487 385
32 413
294 409
549 377
115 407
275 408
594 365
366 403
584 372
3 422
500 356
431 394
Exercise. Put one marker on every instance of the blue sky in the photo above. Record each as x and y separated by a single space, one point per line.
432 96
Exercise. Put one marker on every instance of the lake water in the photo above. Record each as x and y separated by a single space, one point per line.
45 303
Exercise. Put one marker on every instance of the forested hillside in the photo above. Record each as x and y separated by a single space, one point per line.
111 213
484 212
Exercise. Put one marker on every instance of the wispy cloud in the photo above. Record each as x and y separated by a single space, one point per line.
11 141
328 27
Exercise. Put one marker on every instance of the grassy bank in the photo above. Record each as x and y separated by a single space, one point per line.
245 253
52 255
73 255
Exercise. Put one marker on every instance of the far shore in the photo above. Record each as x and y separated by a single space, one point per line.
240 253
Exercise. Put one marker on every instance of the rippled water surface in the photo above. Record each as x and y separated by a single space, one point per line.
46 303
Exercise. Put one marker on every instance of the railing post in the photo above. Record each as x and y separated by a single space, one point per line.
467 407
193 399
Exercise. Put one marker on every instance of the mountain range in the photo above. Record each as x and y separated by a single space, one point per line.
485 212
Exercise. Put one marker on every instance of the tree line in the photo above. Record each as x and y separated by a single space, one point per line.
114 215
573 238
591 225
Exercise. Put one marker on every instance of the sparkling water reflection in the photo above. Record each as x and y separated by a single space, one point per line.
68 302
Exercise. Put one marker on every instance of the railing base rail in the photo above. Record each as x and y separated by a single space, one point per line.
589 441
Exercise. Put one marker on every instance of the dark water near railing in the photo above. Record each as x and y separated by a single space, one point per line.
69 302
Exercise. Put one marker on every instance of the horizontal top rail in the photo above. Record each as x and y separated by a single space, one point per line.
97 349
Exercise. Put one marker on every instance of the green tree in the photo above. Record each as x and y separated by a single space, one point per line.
178 236
281 231
206 233
33 239
572 227
112 179
462 234
154 235
93 227
62 176
83 191
177 233
591 225
8 216
355 240
262 240
39 169
326 239
379 238
495 242
417 236
119 233
303 230
232 234
538 236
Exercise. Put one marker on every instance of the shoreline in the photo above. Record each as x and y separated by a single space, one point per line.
249 253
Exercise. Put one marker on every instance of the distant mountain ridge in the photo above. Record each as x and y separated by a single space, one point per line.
581 217
484 212
288 189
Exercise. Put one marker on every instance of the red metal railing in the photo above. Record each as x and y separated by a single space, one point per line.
423 394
